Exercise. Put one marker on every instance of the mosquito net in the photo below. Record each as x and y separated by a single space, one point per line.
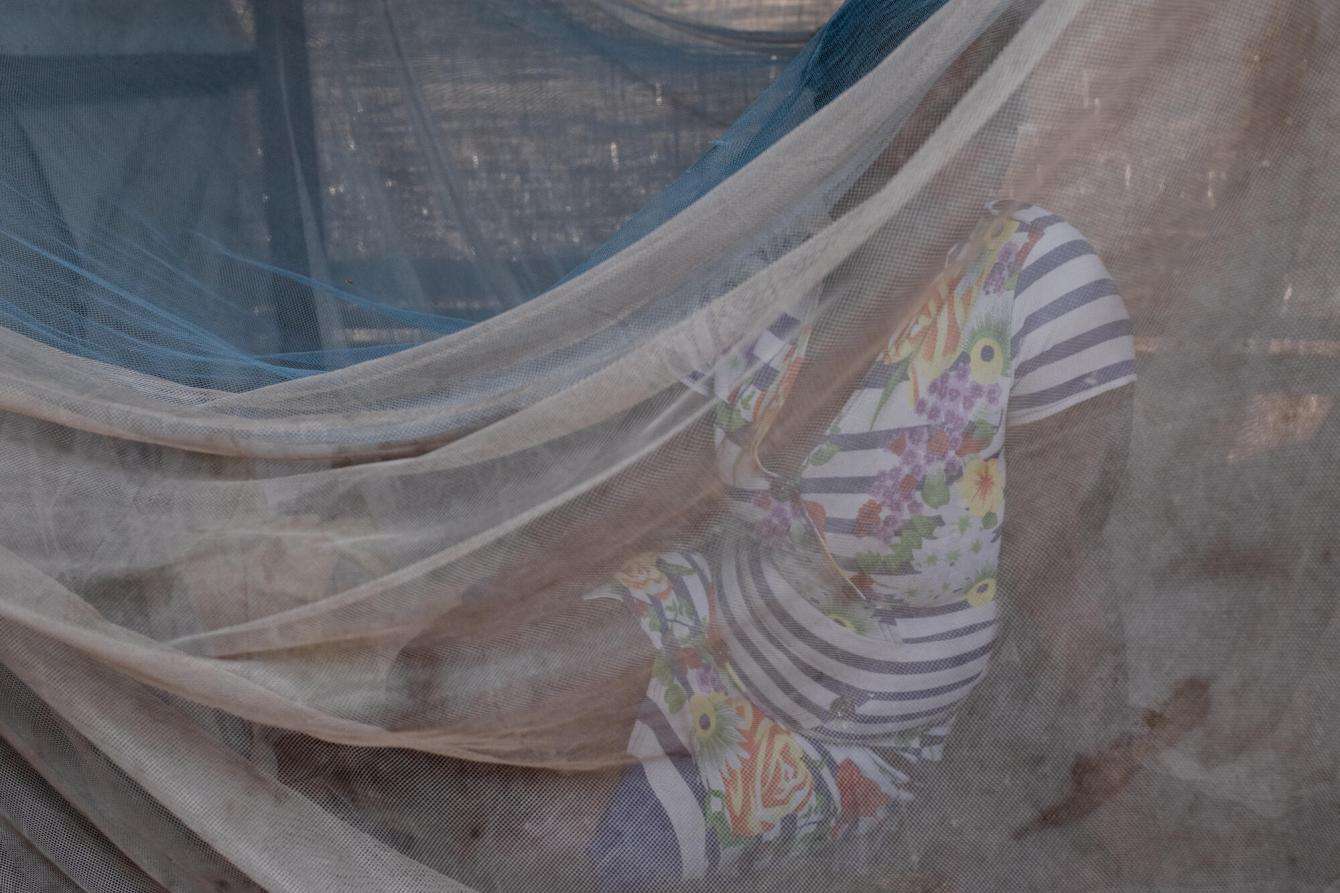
562 445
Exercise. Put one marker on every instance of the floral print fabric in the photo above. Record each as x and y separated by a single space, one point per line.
762 790
784 705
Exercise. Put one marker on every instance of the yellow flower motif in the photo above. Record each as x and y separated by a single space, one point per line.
999 230
847 619
987 360
714 727
982 592
982 485
843 621
640 574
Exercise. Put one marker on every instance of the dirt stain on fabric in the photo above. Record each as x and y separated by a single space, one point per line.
1097 778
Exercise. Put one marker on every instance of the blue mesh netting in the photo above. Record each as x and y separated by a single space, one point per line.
229 194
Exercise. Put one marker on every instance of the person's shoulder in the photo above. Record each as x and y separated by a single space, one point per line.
1071 335
1055 256
1035 219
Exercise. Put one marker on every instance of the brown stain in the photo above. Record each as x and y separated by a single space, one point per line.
1097 778
1225 561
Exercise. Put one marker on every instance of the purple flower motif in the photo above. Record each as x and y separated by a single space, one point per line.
952 394
975 390
705 678
968 401
995 280
921 405
885 487
1002 269
993 393
933 414
777 523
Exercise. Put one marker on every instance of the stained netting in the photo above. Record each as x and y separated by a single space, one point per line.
562 445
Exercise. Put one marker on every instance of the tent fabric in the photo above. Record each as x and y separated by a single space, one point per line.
602 445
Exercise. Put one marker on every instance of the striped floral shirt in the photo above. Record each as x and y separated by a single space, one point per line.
837 621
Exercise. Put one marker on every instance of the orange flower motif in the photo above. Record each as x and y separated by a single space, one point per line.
861 798
972 443
641 575
863 582
817 513
867 518
935 337
770 779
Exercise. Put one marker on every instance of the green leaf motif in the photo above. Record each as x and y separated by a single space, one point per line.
934 490
922 525
899 561
729 417
675 697
717 822
869 562
660 668
897 375
989 520
675 570
823 454
915 531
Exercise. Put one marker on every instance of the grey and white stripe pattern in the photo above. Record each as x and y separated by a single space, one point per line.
838 686
1071 335
1070 339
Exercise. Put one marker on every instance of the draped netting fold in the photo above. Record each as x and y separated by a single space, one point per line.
376 470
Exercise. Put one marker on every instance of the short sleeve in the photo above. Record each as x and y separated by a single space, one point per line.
1070 334
719 379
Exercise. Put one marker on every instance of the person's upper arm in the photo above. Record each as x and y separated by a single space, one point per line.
1071 336
1068 419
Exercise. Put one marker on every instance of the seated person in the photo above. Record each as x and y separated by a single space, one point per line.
784 712
810 645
